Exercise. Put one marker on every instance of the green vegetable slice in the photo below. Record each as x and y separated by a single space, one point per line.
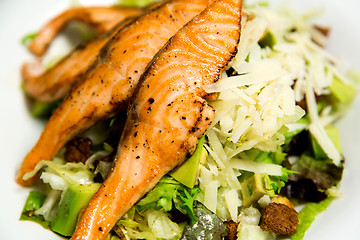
33 202
268 40
342 92
75 198
187 172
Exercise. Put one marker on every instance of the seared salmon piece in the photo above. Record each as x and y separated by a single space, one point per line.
109 84
53 84
167 114
101 19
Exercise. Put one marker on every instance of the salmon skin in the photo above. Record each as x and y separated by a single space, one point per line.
167 114
101 19
53 84
108 86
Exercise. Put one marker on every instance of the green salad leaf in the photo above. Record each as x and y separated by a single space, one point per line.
27 39
167 194
307 216
161 196
324 173
188 200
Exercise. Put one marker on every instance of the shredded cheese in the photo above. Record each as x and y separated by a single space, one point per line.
255 107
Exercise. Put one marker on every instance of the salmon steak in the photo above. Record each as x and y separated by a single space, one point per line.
167 114
107 87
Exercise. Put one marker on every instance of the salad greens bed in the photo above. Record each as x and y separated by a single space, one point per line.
273 135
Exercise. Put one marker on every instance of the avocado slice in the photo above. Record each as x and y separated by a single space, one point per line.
334 136
75 198
267 40
34 201
187 172
255 187
342 92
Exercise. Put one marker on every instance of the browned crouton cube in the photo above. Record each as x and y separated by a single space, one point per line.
283 200
280 219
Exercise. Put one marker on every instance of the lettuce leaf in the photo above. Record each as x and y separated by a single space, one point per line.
307 216
161 196
169 194
188 200
324 173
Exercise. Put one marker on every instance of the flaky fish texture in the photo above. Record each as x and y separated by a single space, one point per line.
167 114
109 84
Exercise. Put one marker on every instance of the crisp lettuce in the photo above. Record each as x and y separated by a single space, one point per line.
161 196
167 194
308 214
60 175
161 225
151 224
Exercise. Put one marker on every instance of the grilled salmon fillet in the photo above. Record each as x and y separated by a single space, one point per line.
101 19
53 84
108 86
167 114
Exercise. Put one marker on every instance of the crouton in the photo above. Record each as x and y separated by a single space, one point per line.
280 219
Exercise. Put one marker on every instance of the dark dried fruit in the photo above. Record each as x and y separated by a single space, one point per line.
78 149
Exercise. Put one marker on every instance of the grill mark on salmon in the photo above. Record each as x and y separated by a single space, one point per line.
156 137
108 86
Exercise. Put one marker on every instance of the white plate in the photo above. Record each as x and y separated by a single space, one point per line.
19 131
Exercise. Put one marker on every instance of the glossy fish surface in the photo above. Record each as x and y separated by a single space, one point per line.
167 114
109 84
